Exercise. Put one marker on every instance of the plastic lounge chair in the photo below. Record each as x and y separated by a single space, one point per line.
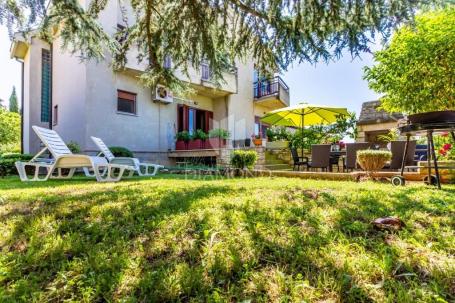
63 158
141 168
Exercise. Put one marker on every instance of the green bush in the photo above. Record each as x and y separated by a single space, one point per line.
7 161
219 133
244 159
74 147
183 136
199 134
278 134
119 151
10 131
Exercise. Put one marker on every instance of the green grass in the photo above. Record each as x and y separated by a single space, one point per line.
253 240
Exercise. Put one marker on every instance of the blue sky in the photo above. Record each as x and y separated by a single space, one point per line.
337 83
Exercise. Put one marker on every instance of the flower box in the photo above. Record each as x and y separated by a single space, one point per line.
277 145
181 145
215 143
195 144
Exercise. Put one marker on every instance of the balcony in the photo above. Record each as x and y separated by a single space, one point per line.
272 93
200 80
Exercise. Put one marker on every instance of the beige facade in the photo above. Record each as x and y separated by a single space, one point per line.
85 94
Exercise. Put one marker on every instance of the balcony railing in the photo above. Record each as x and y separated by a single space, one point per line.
269 87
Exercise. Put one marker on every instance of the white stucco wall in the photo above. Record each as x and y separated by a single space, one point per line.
240 105
69 93
32 95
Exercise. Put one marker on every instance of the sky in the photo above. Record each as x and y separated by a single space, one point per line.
338 83
10 69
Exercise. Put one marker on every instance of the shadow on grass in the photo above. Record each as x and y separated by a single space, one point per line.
100 245
152 244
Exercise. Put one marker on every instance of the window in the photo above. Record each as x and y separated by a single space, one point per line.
167 62
260 129
46 80
55 115
126 102
191 119
205 70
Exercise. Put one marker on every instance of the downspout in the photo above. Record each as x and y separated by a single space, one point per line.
22 104
51 106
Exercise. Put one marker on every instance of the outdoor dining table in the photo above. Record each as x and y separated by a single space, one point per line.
335 158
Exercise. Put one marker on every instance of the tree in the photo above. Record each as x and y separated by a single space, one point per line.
13 107
416 71
275 33
10 131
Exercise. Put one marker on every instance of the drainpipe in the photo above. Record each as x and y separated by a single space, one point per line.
51 106
22 104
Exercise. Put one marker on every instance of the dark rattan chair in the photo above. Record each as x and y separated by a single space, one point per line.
298 160
397 149
320 156
350 163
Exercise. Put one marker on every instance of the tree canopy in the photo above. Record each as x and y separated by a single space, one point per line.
274 33
10 131
416 71
13 106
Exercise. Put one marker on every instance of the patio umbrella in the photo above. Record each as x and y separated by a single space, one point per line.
304 114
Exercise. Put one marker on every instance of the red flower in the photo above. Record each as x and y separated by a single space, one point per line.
447 146
442 152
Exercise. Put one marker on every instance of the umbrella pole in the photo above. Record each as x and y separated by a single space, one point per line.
301 123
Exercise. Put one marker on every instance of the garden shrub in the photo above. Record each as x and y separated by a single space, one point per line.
7 161
119 151
244 159
74 147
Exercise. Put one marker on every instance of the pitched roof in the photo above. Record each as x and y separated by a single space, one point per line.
371 114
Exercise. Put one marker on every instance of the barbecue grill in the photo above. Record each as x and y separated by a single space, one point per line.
427 124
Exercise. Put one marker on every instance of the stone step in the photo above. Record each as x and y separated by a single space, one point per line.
278 167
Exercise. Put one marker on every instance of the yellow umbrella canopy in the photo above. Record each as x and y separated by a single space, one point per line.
304 114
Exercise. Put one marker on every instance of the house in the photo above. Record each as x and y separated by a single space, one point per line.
83 99
374 122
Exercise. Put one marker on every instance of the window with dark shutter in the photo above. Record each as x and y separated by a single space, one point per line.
126 102
46 80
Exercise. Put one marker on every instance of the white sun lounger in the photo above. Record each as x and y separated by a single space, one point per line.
141 168
63 158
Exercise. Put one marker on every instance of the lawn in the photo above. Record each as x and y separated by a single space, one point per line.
252 240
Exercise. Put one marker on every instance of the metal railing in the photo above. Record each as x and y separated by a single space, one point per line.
269 87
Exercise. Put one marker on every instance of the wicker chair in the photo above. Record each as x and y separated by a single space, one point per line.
320 156
350 162
298 160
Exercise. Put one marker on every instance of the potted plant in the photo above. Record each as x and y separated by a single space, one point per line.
217 138
182 138
277 138
198 139
257 140
373 160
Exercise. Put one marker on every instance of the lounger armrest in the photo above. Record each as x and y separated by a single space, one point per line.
124 161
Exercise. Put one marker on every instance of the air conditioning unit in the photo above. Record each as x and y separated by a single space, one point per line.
163 94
